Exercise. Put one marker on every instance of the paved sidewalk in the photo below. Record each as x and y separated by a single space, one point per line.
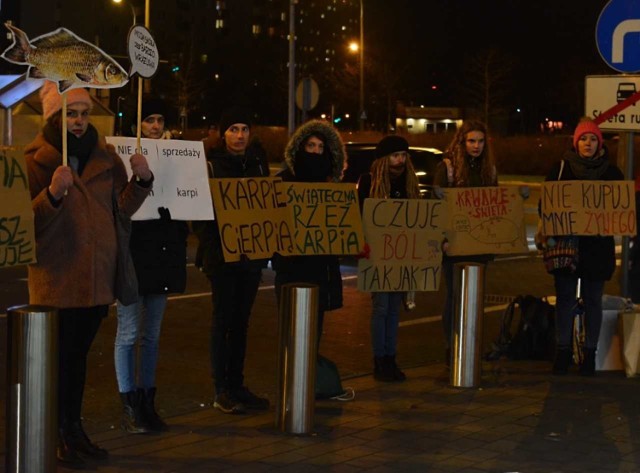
521 419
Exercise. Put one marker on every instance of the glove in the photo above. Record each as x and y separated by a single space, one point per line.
438 192
524 192
165 215
365 253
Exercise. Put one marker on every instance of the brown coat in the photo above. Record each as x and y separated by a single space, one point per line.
76 241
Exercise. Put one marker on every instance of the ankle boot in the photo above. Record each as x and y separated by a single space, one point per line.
67 456
132 421
382 370
588 366
77 439
398 375
561 362
151 418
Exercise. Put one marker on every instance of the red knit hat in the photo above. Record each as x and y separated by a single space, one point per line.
52 100
587 126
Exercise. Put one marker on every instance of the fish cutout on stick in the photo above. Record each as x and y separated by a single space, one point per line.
63 57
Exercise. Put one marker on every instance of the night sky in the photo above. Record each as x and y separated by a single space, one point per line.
549 46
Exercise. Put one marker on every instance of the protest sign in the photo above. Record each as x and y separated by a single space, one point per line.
143 52
405 236
253 219
17 236
485 220
180 177
326 218
588 208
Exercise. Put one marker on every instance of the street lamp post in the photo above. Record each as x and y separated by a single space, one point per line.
133 10
361 112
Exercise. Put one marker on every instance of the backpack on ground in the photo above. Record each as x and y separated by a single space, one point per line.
328 382
535 332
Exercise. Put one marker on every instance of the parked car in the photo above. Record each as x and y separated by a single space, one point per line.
361 155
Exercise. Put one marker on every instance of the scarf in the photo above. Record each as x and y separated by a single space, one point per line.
78 149
588 169
312 167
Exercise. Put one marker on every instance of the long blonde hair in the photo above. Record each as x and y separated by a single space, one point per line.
457 152
381 184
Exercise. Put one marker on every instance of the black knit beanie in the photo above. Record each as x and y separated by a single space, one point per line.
153 106
234 115
391 144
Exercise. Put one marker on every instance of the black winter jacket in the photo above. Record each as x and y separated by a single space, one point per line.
597 256
224 164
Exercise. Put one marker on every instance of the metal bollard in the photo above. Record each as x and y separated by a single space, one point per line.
297 358
468 286
32 389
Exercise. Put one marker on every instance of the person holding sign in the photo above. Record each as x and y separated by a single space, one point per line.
392 176
469 162
234 285
76 244
159 252
587 161
315 153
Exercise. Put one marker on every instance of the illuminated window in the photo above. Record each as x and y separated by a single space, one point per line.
219 23
256 29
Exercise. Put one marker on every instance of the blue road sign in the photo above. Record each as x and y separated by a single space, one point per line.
618 35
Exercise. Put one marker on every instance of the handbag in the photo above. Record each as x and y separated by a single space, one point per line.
125 288
563 256
560 254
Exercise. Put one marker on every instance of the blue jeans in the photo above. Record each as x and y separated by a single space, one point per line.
591 293
384 322
138 323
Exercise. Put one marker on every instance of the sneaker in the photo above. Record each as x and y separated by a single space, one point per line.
228 404
250 400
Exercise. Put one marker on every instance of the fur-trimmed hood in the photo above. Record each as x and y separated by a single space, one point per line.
333 142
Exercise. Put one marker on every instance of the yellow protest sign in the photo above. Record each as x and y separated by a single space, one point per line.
17 237
252 216
326 218
588 208
405 237
485 220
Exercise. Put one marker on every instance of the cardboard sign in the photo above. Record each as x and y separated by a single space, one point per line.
17 236
588 208
180 177
253 218
405 236
326 218
143 52
485 220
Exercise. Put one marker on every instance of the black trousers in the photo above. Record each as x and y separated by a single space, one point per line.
234 291
77 329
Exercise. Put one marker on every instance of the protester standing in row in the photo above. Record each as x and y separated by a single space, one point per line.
234 285
315 153
76 244
468 162
159 251
392 176
588 160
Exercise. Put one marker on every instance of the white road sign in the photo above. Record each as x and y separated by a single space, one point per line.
605 92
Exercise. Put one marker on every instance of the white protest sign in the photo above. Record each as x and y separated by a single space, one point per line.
143 52
181 181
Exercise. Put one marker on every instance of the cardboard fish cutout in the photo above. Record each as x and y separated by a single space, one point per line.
63 57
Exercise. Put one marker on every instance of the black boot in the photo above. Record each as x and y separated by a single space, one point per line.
149 415
561 362
588 366
77 439
132 421
398 375
382 370
67 456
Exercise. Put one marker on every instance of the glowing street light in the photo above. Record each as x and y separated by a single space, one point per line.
133 10
354 47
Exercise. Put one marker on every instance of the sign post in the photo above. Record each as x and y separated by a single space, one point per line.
616 37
